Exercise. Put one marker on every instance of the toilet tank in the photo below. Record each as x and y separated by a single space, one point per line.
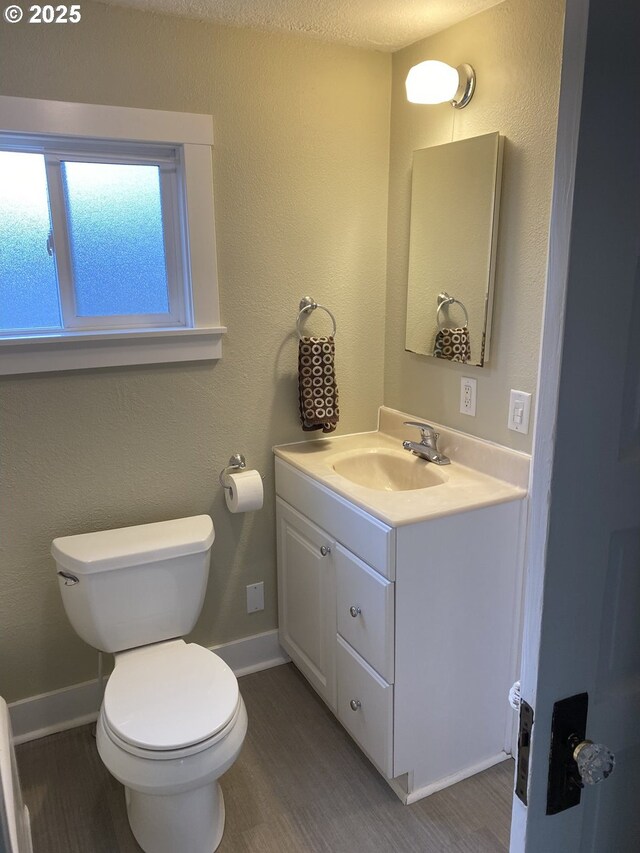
133 586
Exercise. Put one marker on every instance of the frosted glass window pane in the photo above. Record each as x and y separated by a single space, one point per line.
115 236
28 284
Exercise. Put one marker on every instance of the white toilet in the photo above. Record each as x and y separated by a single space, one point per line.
172 720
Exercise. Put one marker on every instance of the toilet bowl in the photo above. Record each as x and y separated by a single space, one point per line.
172 719
172 722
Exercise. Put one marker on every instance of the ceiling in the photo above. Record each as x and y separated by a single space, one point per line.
385 25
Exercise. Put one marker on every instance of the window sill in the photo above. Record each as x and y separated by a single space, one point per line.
80 350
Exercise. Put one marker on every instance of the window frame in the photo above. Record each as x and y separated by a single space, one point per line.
95 133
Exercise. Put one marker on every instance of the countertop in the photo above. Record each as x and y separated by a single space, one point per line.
480 474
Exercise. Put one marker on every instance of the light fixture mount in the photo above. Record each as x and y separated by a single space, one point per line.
466 87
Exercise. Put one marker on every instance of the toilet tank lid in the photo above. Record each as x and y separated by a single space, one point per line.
85 553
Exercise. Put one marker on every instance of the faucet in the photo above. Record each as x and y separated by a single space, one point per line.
427 448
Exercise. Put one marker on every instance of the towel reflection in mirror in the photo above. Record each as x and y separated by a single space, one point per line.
452 341
453 344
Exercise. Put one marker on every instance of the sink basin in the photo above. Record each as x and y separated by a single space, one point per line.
387 471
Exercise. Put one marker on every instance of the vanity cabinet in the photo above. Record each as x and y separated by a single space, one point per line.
336 618
407 633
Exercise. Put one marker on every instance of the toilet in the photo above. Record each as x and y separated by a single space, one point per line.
172 719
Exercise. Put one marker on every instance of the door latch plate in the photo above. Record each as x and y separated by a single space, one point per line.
569 722
524 748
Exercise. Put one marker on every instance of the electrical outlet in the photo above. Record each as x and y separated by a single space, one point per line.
255 597
468 393
519 410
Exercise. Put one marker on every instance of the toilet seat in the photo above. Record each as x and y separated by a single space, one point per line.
169 754
169 697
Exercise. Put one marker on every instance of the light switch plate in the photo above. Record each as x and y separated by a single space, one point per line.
255 597
468 393
519 411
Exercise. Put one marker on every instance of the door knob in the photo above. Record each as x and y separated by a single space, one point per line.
324 550
595 761
355 704
354 610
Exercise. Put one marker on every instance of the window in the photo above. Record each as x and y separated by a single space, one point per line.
92 241
107 252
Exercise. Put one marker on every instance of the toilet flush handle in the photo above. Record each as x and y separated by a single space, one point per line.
69 579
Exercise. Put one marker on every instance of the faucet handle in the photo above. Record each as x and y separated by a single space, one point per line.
419 425
425 429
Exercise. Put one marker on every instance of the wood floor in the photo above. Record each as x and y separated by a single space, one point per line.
299 786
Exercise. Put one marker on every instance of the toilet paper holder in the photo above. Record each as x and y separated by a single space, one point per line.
237 462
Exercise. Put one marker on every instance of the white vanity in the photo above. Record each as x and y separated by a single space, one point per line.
399 594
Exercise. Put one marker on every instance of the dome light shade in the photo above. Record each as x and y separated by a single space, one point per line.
435 82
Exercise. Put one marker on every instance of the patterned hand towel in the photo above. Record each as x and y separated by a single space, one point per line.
453 344
318 393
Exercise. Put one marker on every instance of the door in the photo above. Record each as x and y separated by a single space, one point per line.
307 599
582 624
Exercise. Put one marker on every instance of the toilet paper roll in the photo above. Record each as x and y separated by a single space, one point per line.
246 491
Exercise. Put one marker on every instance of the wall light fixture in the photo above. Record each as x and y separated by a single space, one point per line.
434 82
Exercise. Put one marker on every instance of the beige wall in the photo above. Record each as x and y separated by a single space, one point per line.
515 49
302 180
300 170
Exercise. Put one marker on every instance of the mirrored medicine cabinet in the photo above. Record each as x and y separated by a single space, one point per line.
455 199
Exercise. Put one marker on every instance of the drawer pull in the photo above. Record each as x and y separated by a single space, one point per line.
354 610
355 704
324 550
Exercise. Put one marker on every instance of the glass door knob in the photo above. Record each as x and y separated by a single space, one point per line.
595 761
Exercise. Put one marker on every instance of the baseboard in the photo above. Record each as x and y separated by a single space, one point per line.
39 716
419 793
252 654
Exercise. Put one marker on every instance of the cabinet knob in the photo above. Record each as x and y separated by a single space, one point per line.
325 549
354 610
355 704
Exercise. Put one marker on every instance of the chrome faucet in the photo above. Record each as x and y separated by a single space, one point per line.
427 448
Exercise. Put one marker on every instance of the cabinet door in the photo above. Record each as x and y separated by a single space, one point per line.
306 599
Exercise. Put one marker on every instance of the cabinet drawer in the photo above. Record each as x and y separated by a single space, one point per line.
371 723
365 611
366 536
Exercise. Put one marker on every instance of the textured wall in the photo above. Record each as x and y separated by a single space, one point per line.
300 171
515 49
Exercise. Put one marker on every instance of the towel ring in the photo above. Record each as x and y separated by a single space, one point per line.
443 300
307 304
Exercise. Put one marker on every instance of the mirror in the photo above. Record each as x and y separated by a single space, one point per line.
455 195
